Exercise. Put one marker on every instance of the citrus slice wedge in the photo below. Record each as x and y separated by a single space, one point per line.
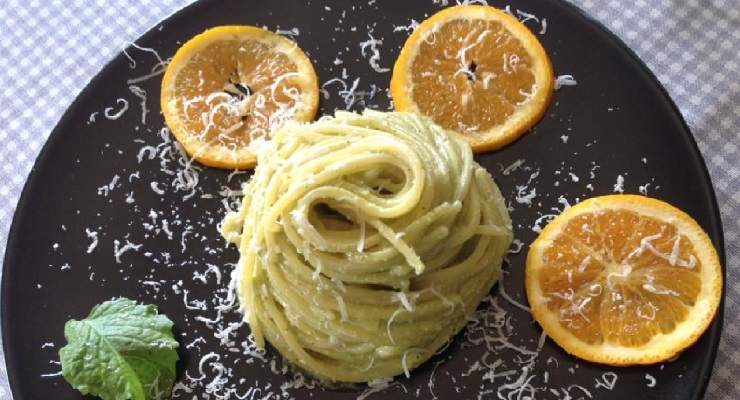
623 280
477 72
226 90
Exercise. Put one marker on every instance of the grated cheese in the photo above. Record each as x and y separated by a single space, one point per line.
619 186
565 80
608 380
141 94
118 250
105 189
522 197
293 32
108 111
94 237
373 44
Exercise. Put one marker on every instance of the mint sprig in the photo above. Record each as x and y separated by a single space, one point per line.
121 351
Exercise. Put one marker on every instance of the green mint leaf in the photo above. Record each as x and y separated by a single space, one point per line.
121 351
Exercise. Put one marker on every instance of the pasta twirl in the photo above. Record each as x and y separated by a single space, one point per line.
365 243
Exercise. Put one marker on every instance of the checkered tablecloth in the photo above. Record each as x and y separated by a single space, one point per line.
49 49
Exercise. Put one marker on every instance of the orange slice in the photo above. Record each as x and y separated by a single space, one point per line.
623 280
227 89
477 72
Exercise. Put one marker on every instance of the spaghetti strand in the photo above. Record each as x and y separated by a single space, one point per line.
366 242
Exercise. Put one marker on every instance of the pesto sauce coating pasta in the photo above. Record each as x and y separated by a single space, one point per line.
366 242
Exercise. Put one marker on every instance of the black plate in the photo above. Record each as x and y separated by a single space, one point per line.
617 118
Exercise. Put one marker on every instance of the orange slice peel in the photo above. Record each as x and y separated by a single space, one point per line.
477 72
229 88
623 280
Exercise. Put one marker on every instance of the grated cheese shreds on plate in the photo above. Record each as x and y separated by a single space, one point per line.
502 359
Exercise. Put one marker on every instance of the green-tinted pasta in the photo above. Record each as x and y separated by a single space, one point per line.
366 242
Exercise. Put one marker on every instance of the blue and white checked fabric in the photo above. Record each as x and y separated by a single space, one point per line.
49 49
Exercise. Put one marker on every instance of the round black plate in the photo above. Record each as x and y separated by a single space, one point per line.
618 120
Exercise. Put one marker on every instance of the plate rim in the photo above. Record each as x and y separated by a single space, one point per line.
714 332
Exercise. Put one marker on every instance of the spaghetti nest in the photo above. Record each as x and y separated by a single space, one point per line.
366 241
